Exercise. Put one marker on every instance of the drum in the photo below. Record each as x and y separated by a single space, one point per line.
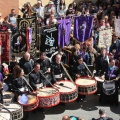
16 111
86 86
31 104
99 84
68 91
48 97
8 95
109 87
5 115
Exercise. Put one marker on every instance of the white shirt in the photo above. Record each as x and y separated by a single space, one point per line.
53 20
40 11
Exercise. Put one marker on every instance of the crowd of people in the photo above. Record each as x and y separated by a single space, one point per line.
42 72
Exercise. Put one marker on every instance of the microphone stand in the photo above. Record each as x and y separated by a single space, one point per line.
47 80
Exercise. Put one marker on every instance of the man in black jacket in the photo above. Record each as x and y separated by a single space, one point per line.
101 63
35 78
45 67
103 115
58 72
26 63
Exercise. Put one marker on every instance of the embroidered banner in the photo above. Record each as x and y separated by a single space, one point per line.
117 27
64 30
23 24
83 27
105 38
49 40
18 42
5 48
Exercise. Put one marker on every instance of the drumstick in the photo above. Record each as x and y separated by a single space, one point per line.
87 68
45 72
67 73
47 80
64 86
28 84
94 71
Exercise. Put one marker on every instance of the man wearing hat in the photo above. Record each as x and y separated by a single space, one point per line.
103 115
48 9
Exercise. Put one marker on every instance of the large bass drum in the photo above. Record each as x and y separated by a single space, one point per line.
48 97
16 111
86 86
31 104
68 91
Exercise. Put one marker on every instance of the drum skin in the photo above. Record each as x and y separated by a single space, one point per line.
48 97
86 85
68 91
31 105
5 115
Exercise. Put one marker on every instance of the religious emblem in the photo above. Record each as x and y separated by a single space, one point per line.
63 31
49 40
19 40
83 26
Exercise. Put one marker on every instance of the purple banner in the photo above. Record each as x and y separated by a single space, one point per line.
83 27
64 30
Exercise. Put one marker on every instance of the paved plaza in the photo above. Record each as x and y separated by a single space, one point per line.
86 110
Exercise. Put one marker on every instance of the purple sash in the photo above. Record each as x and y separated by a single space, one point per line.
30 35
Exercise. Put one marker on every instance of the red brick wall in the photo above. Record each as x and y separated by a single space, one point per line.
7 5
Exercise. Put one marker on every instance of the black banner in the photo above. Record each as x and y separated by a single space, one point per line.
49 40
31 22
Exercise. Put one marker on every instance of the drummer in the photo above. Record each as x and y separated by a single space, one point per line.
79 70
112 73
35 78
101 62
10 78
45 67
57 69
19 83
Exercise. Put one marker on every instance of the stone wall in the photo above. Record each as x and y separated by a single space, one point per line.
7 5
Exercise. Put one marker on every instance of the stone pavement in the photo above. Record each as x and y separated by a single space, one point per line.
86 110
